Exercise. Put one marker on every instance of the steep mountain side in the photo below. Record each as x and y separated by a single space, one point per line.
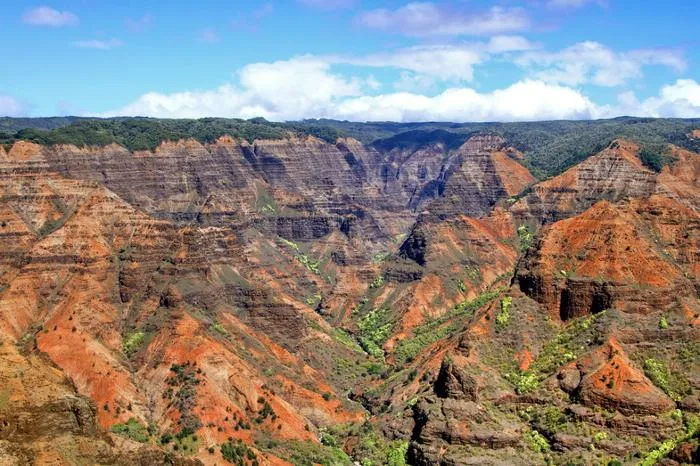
613 174
294 301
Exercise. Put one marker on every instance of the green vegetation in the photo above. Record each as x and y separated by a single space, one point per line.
311 265
342 337
436 329
550 147
536 442
265 412
374 330
692 430
557 352
370 447
422 337
50 226
504 315
220 329
148 133
308 453
663 323
182 392
468 307
238 453
674 385
599 437
525 237
549 419
655 158
377 283
133 430
133 342
461 286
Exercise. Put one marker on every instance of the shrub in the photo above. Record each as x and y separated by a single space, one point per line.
237 452
525 382
536 442
503 316
377 283
663 323
328 440
133 342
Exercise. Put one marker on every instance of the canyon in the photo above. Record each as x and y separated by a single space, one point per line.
299 300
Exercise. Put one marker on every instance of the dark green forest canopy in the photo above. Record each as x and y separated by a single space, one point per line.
550 147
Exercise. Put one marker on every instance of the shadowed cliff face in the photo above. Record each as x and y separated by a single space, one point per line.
297 302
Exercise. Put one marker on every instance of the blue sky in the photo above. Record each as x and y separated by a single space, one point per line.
462 60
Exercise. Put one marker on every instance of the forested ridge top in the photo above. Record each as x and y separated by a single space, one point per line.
549 146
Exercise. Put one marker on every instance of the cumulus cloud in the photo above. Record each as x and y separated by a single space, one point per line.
430 19
47 16
9 106
678 100
592 62
98 44
283 90
306 87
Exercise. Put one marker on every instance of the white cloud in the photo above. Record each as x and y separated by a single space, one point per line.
429 19
283 90
305 87
441 61
47 16
413 82
678 100
327 4
444 62
592 62
98 44
9 106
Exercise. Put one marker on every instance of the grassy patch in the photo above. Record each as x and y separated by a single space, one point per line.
132 343
133 430
342 337
374 330
307 453
187 445
218 328
673 385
